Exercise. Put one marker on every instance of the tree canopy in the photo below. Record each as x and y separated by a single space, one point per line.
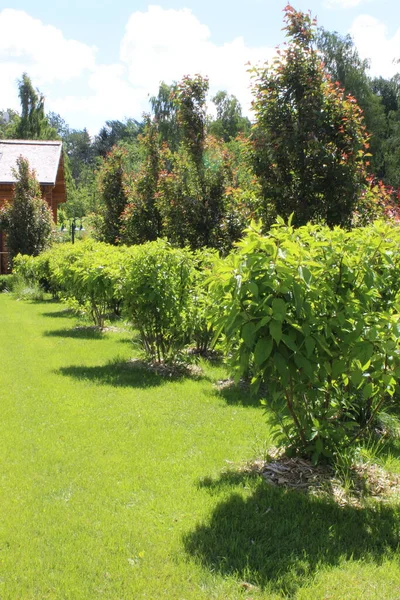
27 220
309 139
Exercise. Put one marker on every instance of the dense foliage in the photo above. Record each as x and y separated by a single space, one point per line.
27 220
33 123
157 292
309 138
312 313
160 289
113 197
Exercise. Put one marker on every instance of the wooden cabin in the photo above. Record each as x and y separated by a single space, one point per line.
46 159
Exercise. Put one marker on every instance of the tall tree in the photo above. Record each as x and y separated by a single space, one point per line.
141 218
9 119
164 112
113 197
33 124
343 63
27 220
309 139
190 193
115 132
190 100
229 121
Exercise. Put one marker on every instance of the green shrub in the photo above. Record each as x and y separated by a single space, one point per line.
24 268
6 283
312 313
201 301
88 274
27 290
157 293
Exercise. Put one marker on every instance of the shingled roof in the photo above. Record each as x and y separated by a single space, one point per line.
43 157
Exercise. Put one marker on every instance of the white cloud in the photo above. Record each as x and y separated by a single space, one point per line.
344 3
157 45
110 97
373 42
43 48
164 45
27 44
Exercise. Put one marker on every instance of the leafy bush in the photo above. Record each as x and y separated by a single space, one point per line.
6 283
25 290
201 301
88 274
313 314
27 220
25 268
157 293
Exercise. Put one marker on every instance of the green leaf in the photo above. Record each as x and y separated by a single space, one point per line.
368 391
338 366
244 361
302 363
322 343
278 309
253 287
275 328
263 322
281 367
297 297
263 350
248 334
289 342
356 377
310 345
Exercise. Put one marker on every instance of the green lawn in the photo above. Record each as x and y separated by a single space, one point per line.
117 483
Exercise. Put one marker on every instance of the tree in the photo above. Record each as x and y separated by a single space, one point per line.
164 111
59 124
388 91
113 197
190 100
115 132
192 181
229 122
8 122
309 139
80 151
141 217
343 63
33 124
27 220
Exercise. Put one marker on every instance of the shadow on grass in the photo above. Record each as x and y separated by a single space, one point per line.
63 313
228 479
82 333
277 539
237 394
131 340
117 374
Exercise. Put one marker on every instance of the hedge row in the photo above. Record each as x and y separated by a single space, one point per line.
310 313
159 289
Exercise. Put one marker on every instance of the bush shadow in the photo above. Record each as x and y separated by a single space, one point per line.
237 394
116 374
277 538
64 313
83 333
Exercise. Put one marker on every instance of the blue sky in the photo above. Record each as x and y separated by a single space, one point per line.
100 59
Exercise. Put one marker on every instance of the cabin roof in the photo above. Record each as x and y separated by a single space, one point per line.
43 157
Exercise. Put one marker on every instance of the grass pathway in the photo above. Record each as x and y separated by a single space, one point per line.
116 483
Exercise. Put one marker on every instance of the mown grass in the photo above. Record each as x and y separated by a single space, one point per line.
119 483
